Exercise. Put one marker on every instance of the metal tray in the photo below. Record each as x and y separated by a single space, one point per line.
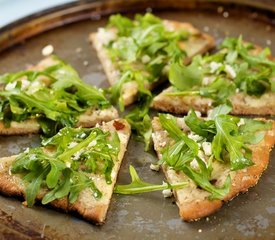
145 216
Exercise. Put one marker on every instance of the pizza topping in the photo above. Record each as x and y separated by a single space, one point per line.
118 125
139 186
235 68
65 163
154 167
55 96
221 139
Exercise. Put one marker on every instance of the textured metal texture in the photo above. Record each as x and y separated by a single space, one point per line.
145 216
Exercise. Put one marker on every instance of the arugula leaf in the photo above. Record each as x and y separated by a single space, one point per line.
168 122
221 109
55 96
186 77
35 180
65 163
140 122
229 136
227 139
142 51
123 24
199 126
252 130
234 67
180 154
201 178
139 186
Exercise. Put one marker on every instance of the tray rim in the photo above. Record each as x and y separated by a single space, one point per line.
64 14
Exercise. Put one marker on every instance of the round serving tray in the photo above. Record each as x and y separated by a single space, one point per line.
144 216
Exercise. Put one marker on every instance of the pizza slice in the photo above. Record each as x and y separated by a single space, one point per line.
219 157
136 54
240 72
74 171
47 97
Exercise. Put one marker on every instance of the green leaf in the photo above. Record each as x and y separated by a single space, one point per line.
228 139
123 24
142 52
56 169
65 169
139 186
177 155
168 122
185 77
126 49
56 94
253 131
33 187
219 110
140 122
200 126
201 178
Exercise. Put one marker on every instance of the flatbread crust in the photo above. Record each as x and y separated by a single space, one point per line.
242 104
193 202
86 205
88 119
198 43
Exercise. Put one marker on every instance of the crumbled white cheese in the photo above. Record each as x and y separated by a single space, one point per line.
10 171
206 81
72 144
77 155
194 136
230 71
154 167
109 146
105 37
10 86
25 84
198 113
167 193
165 70
47 50
201 155
182 124
241 122
209 112
194 164
68 164
34 87
214 66
92 143
145 59
78 50
27 150
207 148
83 135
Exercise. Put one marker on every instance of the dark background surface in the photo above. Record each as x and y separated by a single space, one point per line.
144 216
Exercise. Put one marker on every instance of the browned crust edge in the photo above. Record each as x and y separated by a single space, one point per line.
241 104
13 187
109 68
241 182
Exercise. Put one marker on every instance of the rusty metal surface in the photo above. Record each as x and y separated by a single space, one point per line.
144 216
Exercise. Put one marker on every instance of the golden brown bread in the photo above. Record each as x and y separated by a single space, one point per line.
88 119
241 102
193 202
198 43
86 205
